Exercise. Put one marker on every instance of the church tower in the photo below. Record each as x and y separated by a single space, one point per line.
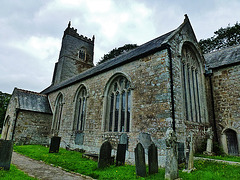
76 55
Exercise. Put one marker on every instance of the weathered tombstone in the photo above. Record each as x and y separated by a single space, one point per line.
171 168
152 159
121 154
55 144
6 149
79 138
145 140
181 155
104 158
140 160
123 139
189 153
209 149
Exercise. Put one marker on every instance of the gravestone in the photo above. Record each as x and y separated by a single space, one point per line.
145 140
123 139
6 149
171 167
209 149
181 155
55 144
79 138
189 153
152 159
140 160
121 154
104 158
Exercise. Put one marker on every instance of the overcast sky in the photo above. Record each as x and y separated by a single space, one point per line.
31 30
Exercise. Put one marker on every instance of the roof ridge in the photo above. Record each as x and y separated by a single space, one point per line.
223 49
30 92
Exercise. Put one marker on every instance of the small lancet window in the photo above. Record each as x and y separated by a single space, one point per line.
119 105
82 54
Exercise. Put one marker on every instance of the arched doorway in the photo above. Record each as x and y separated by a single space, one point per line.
232 142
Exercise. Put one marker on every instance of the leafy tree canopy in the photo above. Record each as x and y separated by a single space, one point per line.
223 37
117 51
4 100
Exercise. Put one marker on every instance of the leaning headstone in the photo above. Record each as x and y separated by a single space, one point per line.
121 154
189 153
6 149
79 138
140 160
152 159
104 158
171 167
55 144
209 149
181 153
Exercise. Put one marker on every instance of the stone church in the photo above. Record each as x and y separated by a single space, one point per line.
166 82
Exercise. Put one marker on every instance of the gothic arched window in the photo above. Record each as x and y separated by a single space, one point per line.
80 109
57 114
192 85
118 105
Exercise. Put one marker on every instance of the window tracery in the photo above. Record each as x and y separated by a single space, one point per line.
119 105
80 110
191 84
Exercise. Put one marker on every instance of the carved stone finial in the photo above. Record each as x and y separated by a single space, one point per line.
69 24
93 38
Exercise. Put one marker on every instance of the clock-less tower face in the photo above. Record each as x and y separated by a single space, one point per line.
76 55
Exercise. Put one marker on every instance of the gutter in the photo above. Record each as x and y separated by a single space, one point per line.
171 87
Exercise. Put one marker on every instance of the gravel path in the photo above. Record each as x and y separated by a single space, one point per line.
43 171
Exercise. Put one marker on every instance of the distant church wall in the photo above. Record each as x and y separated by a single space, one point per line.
226 93
32 128
150 105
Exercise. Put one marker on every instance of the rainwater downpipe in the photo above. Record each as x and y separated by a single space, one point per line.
212 103
171 87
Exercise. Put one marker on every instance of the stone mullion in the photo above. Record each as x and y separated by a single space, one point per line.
198 97
60 116
114 110
189 94
82 112
192 95
84 115
185 89
120 112
126 110
79 112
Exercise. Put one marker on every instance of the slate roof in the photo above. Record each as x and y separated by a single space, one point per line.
136 53
32 101
223 57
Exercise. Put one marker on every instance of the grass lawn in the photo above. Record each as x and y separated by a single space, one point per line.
73 161
14 173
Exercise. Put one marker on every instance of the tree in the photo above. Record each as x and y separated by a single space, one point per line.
223 37
4 100
117 51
